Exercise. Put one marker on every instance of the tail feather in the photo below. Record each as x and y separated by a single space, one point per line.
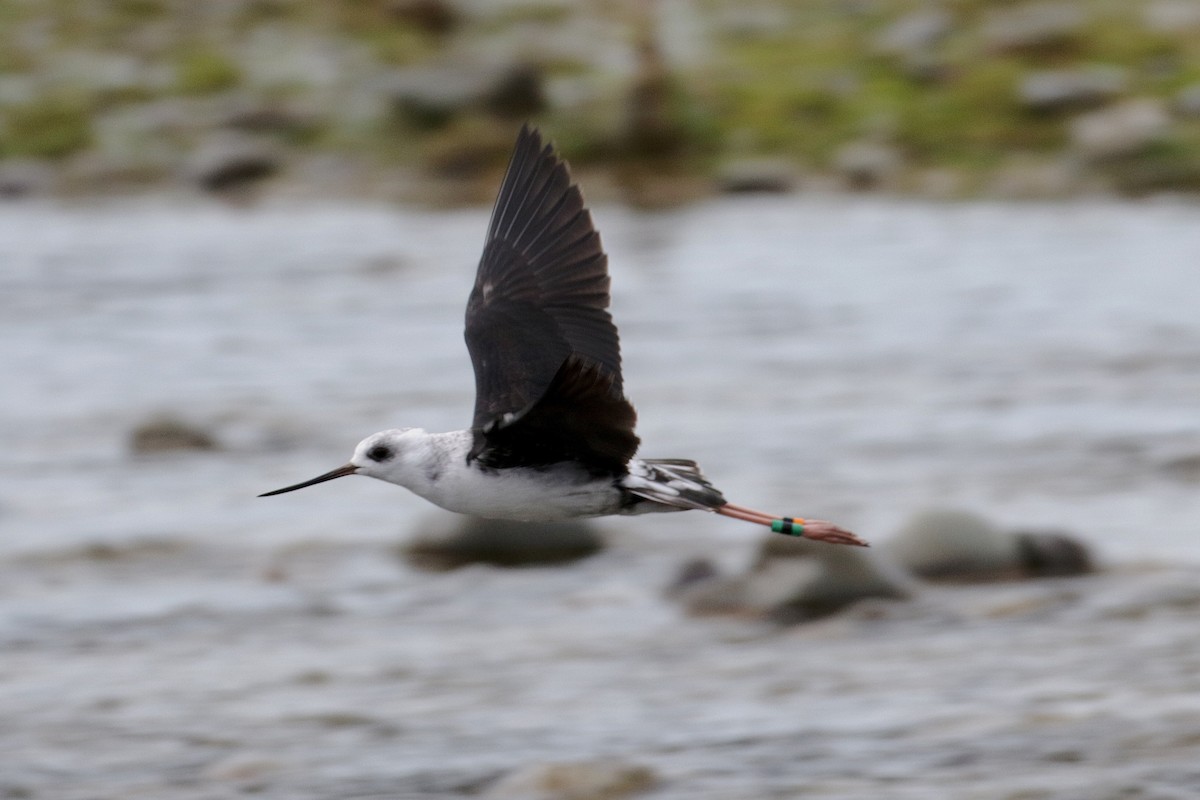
679 484
672 482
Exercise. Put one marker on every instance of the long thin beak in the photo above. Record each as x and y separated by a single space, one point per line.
340 472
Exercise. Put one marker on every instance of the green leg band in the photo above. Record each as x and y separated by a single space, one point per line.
787 526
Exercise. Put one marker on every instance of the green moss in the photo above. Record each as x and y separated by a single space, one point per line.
1171 165
535 12
53 126
202 71
974 119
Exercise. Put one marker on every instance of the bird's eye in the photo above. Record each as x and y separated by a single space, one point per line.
379 453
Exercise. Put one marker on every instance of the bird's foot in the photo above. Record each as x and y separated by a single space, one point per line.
822 531
818 530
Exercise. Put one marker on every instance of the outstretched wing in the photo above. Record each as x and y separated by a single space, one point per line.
545 350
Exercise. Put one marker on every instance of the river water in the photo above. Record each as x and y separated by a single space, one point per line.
165 634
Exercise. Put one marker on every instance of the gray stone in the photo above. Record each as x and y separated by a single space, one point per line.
1033 26
833 577
166 433
1171 16
431 96
1187 101
24 177
794 580
575 780
958 546
756 176
436 17
1030 177
232 161
449 541
953 545
867 164
1071 89
914 33
1122 130
1052 554
282 119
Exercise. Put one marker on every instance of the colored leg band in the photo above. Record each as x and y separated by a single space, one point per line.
787 526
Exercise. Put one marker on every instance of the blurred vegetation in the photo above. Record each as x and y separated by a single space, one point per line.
898 90
51 127
204 71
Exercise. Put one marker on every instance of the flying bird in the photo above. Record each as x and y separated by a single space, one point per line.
553 433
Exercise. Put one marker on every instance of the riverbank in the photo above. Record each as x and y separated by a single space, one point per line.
667 102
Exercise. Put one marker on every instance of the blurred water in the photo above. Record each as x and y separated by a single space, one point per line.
166 632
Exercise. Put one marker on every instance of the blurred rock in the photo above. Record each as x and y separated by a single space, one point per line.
578 780
1052 554
288 121
165 433
25 177
1024 177
468 149
1121 130
946 545
232 161
794 580
867 164
756 176
1171 16
953 545
1058 90
1185 469
518 93
1036 26
431 96
692 573
652 129
843 576
448 541
436 17
912 34
912 40
1187 101
109 171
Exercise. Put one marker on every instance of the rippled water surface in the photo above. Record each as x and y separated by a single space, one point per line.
164 633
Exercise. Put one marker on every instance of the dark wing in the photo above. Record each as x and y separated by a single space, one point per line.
545 350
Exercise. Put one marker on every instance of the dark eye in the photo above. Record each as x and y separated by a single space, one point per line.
379 453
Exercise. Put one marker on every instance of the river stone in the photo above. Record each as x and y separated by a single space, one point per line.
1187 101
575 780
868 164
953 545
913 34
231 161
448 541
24 177
166 433
1056 90
1172 16
794 580
1032 27
1122 130
436 17
947 545
756 176
1052 554
430 97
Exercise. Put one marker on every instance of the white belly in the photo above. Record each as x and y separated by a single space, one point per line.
529 495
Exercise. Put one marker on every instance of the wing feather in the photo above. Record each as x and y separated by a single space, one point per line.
540 300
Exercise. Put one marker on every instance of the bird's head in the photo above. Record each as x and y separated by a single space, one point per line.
380 455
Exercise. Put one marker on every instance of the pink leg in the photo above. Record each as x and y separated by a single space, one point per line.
816 529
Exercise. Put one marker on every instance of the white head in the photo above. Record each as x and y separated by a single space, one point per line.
387 455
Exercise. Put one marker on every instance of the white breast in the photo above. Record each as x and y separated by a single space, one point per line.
563 492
